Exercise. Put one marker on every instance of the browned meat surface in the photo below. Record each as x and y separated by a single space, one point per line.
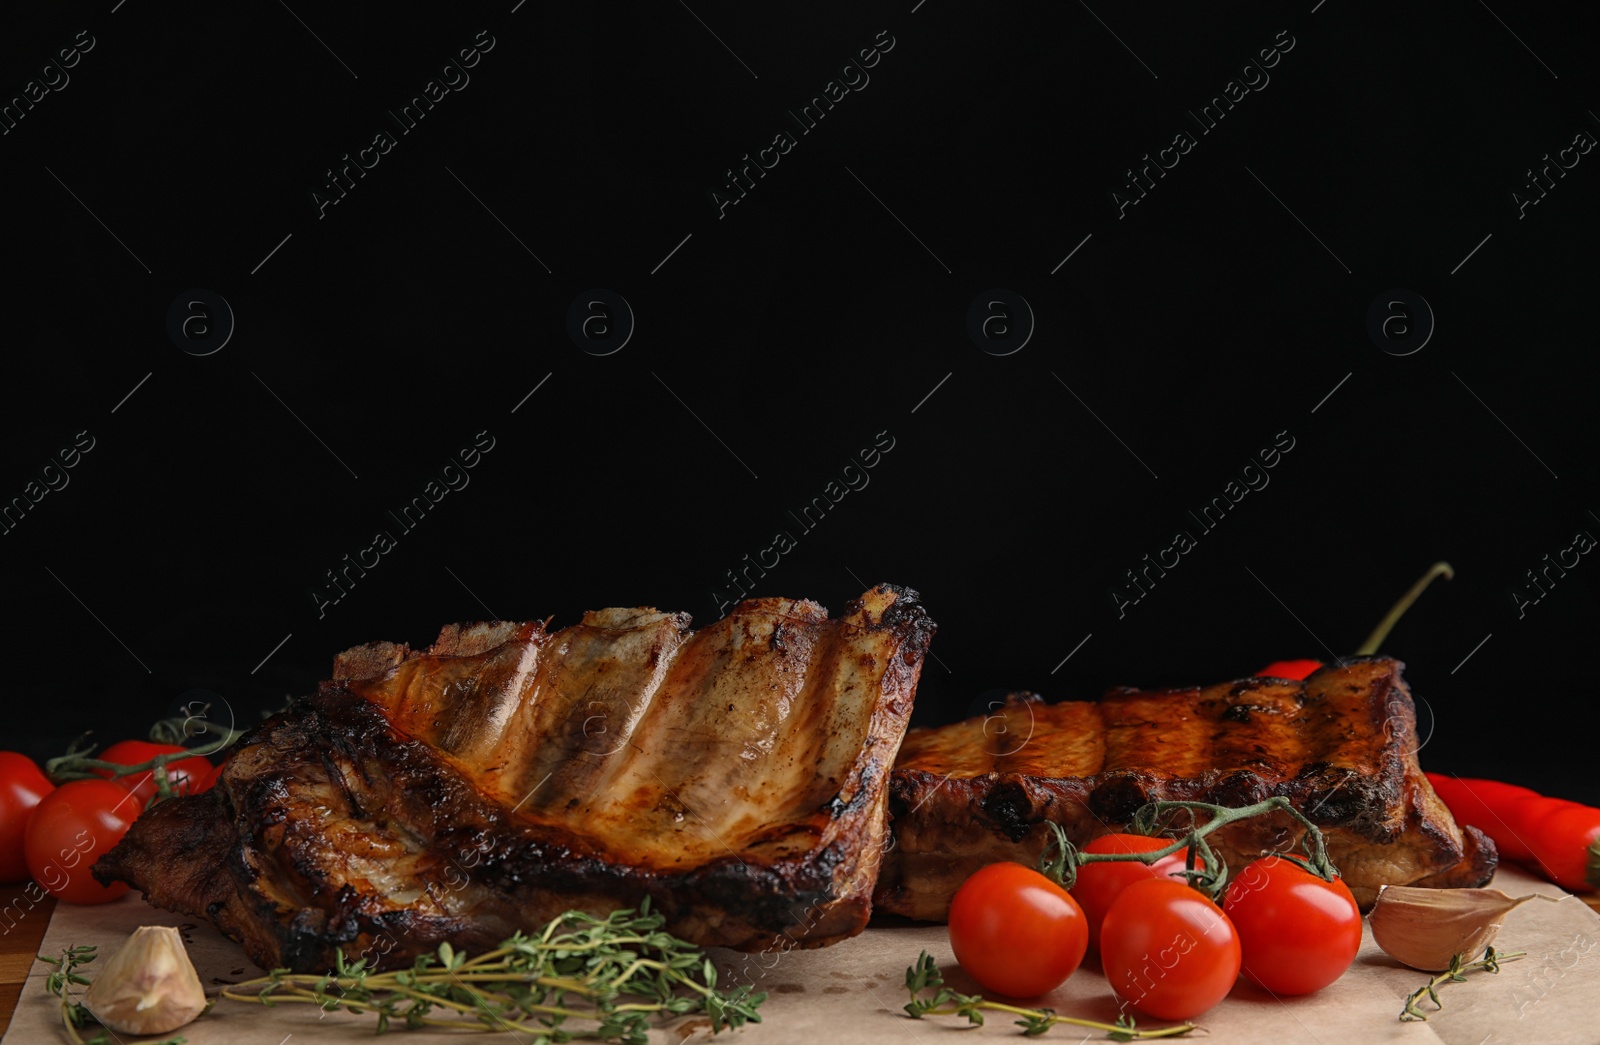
736 776
1341 746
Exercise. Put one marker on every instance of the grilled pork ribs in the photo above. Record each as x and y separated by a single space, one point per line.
740 778
1341 746
737 776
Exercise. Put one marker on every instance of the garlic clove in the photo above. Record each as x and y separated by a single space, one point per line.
149 986
1425 928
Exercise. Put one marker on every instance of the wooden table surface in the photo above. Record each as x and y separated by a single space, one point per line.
21 943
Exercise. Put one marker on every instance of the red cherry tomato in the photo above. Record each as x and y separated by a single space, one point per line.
1289 669
1167 950
185 773
1297 933
1015 931
210 780
22 785
1099 885
71 828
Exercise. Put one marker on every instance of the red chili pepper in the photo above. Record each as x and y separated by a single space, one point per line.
1558 838
1289 669
1486 805
1566 842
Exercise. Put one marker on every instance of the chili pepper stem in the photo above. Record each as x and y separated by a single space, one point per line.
1398 610
1591 867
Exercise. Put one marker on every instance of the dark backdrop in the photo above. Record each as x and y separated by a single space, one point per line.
1172 341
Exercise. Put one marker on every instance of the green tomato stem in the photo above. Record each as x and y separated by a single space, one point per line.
75 766
1062 864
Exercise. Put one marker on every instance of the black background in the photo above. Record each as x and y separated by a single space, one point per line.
381 337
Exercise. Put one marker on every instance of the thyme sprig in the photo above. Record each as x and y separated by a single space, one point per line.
75 1014
925 976
1490 962
579 967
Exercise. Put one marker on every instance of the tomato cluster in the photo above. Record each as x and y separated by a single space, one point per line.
1166 948
55 834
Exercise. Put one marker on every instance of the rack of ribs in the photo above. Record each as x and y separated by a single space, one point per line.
736 777
1341 746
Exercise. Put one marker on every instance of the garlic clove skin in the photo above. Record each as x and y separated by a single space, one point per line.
149 986
1425 928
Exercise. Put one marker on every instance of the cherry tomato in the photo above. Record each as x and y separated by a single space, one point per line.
210 780
71 828
1015 931
1099 885
1297 933
1289 669
1167 950
185 773
22 785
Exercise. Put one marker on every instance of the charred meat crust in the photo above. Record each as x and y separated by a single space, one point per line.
1475 868
1340 746
345 824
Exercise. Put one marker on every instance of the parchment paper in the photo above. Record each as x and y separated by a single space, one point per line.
853 992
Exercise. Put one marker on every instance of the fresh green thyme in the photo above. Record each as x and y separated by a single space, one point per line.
1490 962
608 976
924 976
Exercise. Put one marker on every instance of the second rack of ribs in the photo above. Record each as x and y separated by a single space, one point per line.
1340 746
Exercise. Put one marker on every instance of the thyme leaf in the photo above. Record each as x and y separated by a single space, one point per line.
1490 962
924 976
580 976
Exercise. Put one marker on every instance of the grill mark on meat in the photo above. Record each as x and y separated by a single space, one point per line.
1261 731
388 802
1157 731
625 661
